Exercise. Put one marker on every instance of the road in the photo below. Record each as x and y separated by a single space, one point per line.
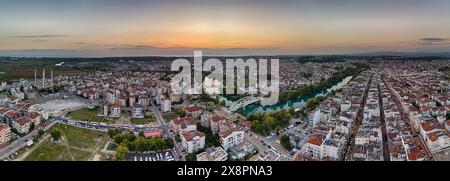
21 142
355 125
386 152
262 143
405 117
99 127
166 133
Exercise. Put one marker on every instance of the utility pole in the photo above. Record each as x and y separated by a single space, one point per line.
51 77
43 78
35 77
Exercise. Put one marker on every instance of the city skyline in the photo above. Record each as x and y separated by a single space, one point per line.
143 28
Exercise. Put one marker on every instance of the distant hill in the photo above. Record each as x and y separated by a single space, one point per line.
405 54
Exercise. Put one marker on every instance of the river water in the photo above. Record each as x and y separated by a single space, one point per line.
297 103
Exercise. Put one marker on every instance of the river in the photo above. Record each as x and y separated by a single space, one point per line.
297 103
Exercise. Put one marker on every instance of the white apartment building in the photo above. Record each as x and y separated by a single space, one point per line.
194 111
205 118
22 125
231 135
192 141
213 154
215 123
136 112
5 133
115 111
166 105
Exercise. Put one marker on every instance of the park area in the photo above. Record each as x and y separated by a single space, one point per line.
149 117
86 114
75 144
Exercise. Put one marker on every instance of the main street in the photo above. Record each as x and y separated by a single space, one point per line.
355 125
21 142
405 117
386 152
166 133
262 143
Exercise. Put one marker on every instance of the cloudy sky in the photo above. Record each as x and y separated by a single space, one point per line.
169 27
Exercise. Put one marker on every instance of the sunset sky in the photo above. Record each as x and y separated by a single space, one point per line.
228 27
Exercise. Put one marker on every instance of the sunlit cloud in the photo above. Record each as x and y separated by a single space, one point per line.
41 36
434 41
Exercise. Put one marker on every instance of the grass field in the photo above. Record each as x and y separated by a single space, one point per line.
75 144
141 120
169 116
111 147
25 69
85 114
148 118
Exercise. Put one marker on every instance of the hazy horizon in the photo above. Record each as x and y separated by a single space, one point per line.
99 28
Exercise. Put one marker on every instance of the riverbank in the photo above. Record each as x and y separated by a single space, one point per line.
297 103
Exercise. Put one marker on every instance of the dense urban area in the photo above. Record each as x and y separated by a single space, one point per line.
336 108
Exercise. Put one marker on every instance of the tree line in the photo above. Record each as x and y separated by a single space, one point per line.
127 142
265 123
312 89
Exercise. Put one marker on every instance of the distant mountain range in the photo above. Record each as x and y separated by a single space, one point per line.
407 54
57 53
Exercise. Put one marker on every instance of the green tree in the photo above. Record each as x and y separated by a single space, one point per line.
207 98
177 138
40 132
121 152
113 132
119 138
56 134
241 111
285 141
180 112
141 134
191 157
210 139
31 127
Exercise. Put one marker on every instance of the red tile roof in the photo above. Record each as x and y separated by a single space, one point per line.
216 119
179 121
193 108
392 135
189 136
432 137
33 115
11 114
415 155
23 120
3 126
247 124
315 140
152 134
115 105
